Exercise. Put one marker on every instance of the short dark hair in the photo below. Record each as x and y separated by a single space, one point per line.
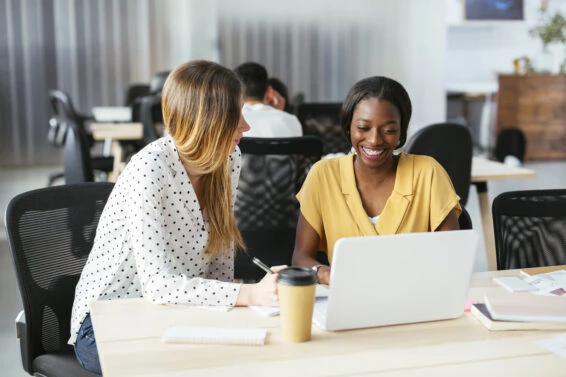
382 88
255 79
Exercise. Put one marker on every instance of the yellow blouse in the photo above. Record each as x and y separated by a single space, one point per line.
422 197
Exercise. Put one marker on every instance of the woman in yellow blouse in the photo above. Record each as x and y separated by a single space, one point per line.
373 190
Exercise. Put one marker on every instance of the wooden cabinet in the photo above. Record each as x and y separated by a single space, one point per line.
536 105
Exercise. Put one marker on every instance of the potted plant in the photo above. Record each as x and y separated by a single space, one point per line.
551 29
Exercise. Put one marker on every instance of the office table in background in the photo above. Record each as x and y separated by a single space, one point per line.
128 336
114 133
484 170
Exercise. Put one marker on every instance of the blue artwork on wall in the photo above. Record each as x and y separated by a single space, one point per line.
493 9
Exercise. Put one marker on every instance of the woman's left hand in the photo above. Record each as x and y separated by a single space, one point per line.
263 293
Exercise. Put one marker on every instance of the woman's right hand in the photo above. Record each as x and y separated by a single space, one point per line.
323 275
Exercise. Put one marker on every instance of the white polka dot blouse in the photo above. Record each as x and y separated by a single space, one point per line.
151 237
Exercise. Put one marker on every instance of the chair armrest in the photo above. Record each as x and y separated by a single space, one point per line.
21 332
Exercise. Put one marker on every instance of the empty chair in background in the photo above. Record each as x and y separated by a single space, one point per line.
135 91
266 209
157 81
51 232
323 121
64 115
530 228
151 117
511 146
451 145
77 160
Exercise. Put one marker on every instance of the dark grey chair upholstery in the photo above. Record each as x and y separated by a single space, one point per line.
135 91
157 81
451 145
530 228
50 232
77 160
266 209
323 121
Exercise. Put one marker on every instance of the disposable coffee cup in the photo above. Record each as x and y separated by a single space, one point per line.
296 288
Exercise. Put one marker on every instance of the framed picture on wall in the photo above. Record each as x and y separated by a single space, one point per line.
493 10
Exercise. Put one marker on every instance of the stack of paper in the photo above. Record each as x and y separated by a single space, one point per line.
538 302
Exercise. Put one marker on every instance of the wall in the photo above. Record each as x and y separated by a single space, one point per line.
94 49
322 47
478 50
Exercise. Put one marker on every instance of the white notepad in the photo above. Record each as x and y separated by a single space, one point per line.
215 335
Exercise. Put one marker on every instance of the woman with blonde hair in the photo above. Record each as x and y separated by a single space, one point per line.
167 232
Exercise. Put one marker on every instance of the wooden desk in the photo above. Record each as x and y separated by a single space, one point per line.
482 171
129 331
113 133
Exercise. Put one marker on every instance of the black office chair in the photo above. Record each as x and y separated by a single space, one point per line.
323 121
77 160
451 145
157 82
135 91
50 232
151 116
510 142
465 221
63 115
266 209
530 228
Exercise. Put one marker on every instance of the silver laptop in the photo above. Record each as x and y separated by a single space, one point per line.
395 279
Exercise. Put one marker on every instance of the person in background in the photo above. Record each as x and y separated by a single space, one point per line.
264 119
372 191
280 97
167 232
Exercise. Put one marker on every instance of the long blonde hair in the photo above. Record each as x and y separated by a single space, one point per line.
201 103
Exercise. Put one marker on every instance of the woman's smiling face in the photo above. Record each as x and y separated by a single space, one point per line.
375 131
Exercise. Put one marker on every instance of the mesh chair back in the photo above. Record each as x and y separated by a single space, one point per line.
451 145
266 209
323 121
51 232
530 228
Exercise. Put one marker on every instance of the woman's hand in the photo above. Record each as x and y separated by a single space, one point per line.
323 275
263 293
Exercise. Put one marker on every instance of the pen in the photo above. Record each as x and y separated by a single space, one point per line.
261 265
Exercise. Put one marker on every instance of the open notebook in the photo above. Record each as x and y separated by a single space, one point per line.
394 279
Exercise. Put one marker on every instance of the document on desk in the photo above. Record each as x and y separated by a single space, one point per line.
270 311
248 336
